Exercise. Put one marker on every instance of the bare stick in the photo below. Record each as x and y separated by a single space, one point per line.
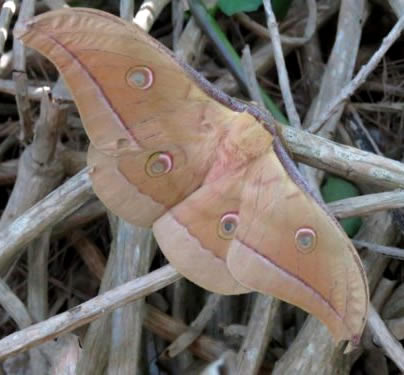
88 311
366 204
14 306
8 86
259 332
389 251
149 12
20 77
392 348
45 214
281 67
262 31
195 329
396 327
360 78
168 328
309 29
55 4
253 87
134 253
348 162
7 12
126 9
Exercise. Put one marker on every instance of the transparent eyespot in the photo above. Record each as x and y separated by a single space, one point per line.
305 240
158 164
228 225
140 77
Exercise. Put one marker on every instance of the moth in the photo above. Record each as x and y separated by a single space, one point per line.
208 173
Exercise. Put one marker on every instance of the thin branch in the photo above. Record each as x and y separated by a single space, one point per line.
262 31
391 346
13 305
7 12
281 67
360 77
35 92
126 9
149 12
348 162
253 87
169 329
45 214
259 333
135 249
88 311
55 4
367 204
195 329
393 252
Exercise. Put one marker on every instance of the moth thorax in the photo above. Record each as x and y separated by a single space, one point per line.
249 137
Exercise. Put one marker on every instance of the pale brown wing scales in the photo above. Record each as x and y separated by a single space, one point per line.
51 35
190 234
100 61
134 101
159 178
291 249
190 157
125 200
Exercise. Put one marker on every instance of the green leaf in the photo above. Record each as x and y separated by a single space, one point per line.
280 8
336 188
230 7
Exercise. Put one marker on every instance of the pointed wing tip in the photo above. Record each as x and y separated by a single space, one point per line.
26 29
21 29
344 333
351 325
351 342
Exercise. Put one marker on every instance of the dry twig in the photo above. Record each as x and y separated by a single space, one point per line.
360 77
87 311
281 67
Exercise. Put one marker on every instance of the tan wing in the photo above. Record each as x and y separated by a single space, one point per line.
189 234
288 247
135 100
